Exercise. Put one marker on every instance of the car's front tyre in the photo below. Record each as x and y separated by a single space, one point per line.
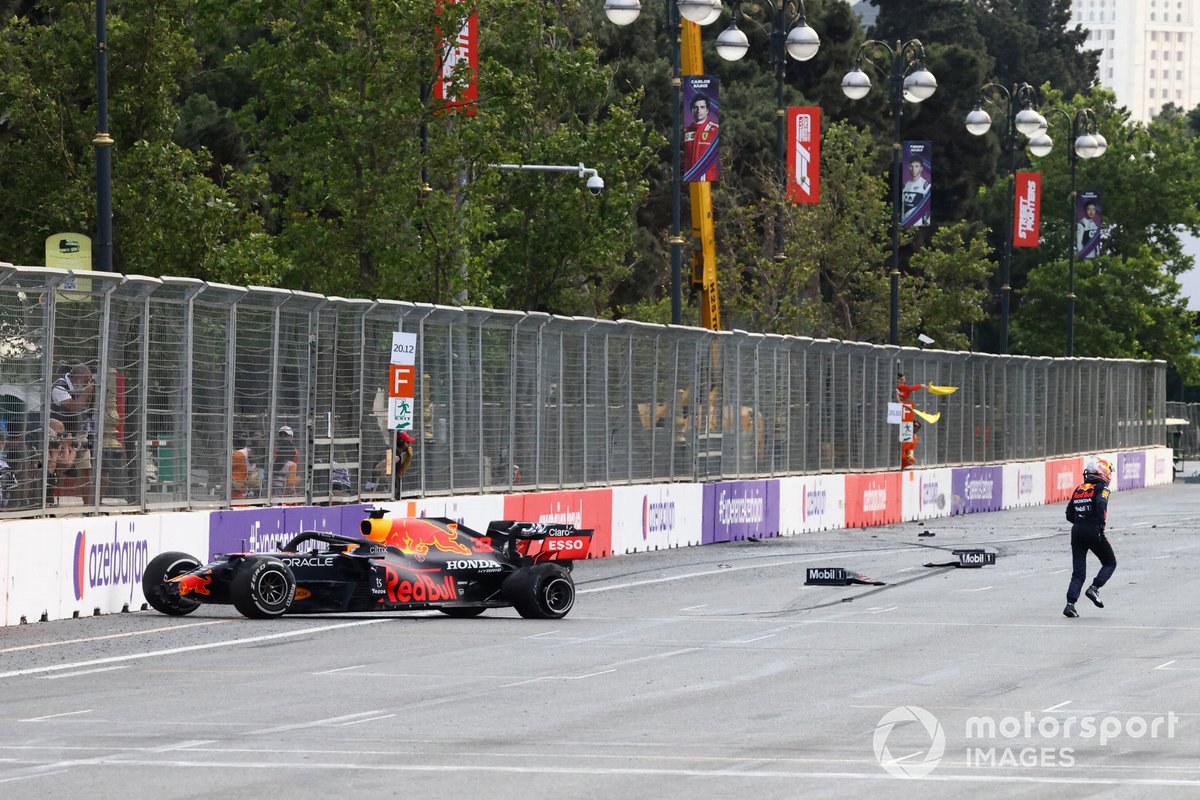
159 594
263 587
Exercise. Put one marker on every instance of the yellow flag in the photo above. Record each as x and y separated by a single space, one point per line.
941 389
930 418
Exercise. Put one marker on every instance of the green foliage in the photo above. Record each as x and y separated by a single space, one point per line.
279 142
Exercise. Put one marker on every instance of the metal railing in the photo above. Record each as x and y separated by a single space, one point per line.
187 372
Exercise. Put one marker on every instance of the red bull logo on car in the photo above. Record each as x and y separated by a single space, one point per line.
414 536
419 587
108 563
194 584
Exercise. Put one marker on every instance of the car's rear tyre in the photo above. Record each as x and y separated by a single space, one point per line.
159 594
545 591
262 588
463 612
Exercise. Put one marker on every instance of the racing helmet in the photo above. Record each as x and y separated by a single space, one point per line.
1098 469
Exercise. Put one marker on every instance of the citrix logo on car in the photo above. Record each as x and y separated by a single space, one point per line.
119 562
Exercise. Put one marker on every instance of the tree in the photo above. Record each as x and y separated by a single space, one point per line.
1129 300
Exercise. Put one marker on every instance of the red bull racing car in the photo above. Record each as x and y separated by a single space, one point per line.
399 564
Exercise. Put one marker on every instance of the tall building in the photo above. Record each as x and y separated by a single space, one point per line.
1147 53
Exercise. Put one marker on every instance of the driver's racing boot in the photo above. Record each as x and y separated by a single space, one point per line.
1070 611
1093 594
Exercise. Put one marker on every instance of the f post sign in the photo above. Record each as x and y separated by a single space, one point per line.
402 375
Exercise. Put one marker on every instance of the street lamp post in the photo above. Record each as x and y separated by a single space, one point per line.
909 81
103 143
1022 117
1087 142
801 43
595 183
702 12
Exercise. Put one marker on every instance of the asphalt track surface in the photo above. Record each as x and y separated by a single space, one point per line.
693 673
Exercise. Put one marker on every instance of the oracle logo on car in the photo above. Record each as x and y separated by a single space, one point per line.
120 562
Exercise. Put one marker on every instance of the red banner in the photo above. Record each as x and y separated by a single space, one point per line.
458 54
873 499
589 508
804 154
1027 215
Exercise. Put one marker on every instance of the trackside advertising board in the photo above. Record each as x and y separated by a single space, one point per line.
926 493
812 503
1024 484
1131 471
1062 476
474 512
873 499
58 567
261 530
588 508
1159 468
656 517
737 509
977 489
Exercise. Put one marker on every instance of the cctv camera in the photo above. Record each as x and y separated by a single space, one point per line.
923 339
595 184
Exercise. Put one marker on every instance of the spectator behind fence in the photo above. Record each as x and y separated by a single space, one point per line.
114 468
61 456
285 465
72 401
243 472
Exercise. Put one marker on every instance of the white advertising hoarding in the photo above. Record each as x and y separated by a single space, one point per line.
1024 484
812 503
926 493
656 517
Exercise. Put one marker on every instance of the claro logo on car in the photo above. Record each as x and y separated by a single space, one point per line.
119 562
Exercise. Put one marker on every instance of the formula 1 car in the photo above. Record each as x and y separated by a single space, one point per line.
399 564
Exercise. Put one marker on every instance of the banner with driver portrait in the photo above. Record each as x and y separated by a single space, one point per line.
1088 223
916 197
701 128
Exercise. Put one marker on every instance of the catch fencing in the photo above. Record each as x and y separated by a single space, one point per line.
187 372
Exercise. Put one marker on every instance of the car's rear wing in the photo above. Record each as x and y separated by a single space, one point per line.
542 541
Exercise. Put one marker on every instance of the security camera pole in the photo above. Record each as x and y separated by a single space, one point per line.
594 182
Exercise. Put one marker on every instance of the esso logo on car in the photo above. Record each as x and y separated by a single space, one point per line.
575 544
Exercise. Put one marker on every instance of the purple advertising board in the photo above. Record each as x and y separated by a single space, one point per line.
737 509
260 530
1131 471
976 489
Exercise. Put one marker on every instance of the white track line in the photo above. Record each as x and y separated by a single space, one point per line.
190 648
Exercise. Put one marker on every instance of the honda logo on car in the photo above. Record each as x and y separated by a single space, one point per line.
116 563
735 510
480 566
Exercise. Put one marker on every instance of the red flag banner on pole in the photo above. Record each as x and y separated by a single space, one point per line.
1027 216
804 154
459 54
